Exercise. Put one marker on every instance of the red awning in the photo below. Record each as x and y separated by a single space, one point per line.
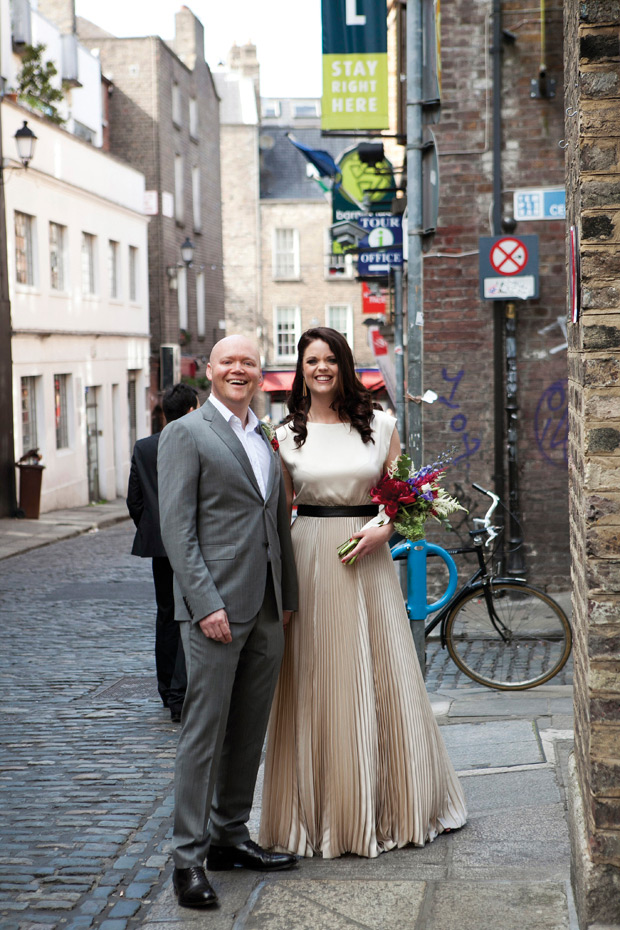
274 381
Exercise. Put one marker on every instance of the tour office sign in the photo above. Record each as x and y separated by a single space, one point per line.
508 267
355 68
384 242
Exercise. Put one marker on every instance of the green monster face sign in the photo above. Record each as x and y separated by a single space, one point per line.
361 180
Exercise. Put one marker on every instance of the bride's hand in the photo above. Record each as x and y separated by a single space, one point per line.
369 540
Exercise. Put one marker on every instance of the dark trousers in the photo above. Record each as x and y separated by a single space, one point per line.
169 656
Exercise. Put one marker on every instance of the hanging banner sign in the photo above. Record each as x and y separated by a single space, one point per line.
355 67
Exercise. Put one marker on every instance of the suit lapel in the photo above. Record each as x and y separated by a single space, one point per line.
226 434
272 464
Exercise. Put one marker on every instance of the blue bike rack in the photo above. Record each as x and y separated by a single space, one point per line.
416 553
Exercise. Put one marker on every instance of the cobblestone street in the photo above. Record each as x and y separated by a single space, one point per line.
88 750
87 770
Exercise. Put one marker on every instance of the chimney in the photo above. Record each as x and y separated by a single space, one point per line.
61 13
243 58
189 40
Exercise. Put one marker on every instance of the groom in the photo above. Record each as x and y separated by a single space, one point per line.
225 527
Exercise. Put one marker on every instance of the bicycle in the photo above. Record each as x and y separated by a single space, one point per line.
501 632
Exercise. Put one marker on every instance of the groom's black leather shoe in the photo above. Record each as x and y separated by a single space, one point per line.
248 855
192 887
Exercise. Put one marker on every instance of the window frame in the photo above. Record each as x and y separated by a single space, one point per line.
278 272
89 239
281 358
29 250
114 269
62 396
60 247
348 308
134 274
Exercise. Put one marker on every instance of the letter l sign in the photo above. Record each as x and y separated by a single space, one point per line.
353 18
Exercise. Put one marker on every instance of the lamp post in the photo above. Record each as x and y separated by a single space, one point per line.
25 140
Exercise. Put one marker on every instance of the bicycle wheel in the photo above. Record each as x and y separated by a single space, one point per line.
508 636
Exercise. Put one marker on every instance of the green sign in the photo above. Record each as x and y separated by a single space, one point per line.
359 182
355 67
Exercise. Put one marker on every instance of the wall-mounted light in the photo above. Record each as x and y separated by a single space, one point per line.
187 256
25 140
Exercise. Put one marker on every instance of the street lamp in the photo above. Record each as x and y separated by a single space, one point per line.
187 255
25 140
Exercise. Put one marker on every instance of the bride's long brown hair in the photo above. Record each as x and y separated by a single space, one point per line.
353 403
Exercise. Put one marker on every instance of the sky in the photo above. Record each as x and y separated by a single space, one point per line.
287 34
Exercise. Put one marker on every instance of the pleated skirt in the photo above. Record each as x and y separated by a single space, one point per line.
355 761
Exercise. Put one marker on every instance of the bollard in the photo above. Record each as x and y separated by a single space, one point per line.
416 552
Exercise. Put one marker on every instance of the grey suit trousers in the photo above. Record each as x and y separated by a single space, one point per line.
229 693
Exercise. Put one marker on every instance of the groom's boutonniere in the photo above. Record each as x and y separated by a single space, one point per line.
270 434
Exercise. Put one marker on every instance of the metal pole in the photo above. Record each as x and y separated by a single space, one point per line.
8 502
415 318
499 307
415 305
399 355
516 562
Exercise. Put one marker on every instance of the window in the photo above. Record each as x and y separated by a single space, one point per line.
306 110
88 264
182 297
340 317
58 236
114 271
24 248
133 273
61 411
83 132
286 254
200 303
271 109
196 197
178 187
287 332
176 104
29 414
193 118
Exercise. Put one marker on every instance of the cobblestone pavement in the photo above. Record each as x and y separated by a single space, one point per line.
87 753
88 750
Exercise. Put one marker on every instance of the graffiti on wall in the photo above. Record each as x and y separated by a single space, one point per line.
467 443
551 423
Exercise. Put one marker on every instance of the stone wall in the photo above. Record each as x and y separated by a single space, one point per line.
592 75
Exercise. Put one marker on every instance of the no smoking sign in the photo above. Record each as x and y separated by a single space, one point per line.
508 267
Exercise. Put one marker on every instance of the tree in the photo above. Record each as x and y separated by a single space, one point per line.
34 83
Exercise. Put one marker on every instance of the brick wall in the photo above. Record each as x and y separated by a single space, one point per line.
593 200
458 330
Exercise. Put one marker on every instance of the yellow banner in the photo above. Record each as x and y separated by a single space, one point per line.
355 91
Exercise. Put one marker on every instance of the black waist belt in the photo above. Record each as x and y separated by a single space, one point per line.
366 510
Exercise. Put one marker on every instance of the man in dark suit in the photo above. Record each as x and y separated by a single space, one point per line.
143 507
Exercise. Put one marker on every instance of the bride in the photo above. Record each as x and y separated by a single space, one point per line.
355 760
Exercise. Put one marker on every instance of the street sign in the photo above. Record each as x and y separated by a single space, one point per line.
384 241
508 267
540 203
374 299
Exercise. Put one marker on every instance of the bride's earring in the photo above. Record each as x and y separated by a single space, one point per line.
304 390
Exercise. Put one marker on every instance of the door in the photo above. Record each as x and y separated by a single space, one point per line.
92 444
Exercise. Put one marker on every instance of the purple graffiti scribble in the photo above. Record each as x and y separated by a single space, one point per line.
458 423
551 423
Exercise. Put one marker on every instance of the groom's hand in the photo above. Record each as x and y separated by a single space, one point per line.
216 626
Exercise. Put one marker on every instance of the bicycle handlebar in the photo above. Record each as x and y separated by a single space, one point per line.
486 521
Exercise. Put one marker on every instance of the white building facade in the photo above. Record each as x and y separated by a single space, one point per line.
77 260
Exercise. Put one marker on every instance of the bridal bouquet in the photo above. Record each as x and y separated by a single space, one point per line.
409 497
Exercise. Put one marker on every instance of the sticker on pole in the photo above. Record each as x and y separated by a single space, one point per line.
508 267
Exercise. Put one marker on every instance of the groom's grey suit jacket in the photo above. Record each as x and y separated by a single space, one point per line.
217 529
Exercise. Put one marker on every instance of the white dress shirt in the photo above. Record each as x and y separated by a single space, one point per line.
253 443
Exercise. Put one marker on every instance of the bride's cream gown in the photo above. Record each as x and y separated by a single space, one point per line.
355 760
